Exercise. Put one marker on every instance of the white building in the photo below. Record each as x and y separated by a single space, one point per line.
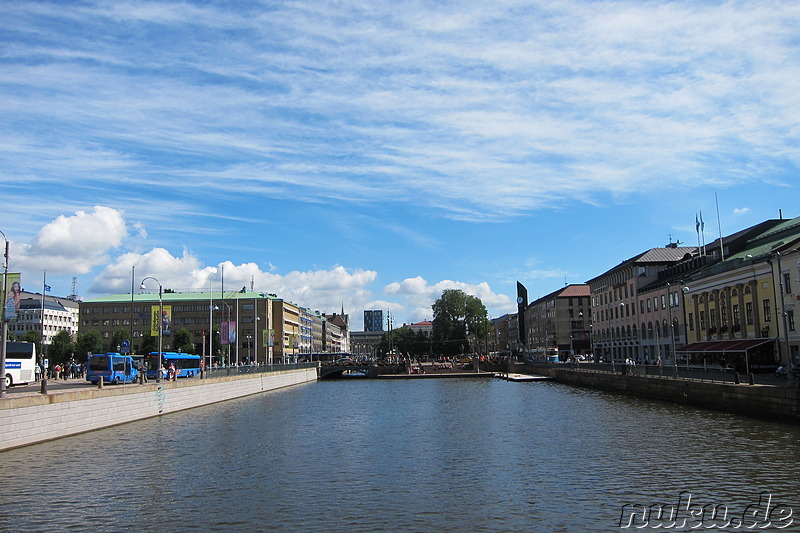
59 314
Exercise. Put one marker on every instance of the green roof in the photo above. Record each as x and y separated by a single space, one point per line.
182 297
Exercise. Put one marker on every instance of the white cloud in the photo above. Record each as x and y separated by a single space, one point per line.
741 211
73 244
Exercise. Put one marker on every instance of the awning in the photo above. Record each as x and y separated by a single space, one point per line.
730 346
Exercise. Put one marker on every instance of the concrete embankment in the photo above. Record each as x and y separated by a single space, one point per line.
761 401
36 418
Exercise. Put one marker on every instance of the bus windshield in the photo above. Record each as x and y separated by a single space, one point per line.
99 363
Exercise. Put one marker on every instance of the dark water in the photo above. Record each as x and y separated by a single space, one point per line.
427 455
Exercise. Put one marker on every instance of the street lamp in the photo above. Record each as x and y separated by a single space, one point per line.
160 320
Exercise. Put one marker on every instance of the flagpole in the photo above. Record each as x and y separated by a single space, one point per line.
44 289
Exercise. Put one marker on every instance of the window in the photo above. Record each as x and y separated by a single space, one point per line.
767 311
648 305
663 302
790 319
702 320
787 283
748 313
641 307
691 321
736 314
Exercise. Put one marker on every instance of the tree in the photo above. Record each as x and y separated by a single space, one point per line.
149 344
34 336
88 342
61 348
456 316
182 341
119 335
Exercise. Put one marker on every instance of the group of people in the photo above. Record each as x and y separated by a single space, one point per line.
65 371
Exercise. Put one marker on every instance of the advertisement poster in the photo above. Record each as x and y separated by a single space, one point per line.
166 320
13 291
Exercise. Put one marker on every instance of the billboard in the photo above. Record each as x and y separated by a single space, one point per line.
12 292
165 318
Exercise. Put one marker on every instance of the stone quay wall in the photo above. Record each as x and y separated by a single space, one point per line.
36 418
761 401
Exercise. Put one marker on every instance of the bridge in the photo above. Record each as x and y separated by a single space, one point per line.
337 371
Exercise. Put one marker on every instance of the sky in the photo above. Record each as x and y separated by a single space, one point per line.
370 154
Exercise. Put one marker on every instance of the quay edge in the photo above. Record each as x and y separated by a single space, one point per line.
38 418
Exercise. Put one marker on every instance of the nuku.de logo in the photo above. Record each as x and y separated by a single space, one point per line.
687 514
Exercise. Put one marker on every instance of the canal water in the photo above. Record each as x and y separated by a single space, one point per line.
423 455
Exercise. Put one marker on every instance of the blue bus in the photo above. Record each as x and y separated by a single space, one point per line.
186 365
112 367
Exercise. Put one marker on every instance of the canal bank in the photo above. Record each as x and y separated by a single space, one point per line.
761 401
36 418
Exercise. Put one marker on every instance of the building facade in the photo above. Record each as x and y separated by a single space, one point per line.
373 320
558 323
47 316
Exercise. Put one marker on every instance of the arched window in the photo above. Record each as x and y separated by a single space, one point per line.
649 330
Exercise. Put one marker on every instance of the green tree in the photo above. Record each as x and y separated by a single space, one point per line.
86 343
149 344
61 347
34 336
182 341
122 334
458 316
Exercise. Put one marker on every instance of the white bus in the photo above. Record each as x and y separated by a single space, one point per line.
20 363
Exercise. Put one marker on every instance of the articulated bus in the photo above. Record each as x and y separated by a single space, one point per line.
112 367
186 365
20 363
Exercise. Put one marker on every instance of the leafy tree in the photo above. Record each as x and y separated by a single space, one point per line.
182 341
456 317
149 344
34 336
61 347
122 334
88 342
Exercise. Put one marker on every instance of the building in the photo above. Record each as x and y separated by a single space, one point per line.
559 323
500 340
60 314
615 301
337 333
373 320
243 322
740 309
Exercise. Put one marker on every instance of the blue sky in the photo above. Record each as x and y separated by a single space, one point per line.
369 154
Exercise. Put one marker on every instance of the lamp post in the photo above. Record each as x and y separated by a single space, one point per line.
4 327
160 321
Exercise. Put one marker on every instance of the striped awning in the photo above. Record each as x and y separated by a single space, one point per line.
729 346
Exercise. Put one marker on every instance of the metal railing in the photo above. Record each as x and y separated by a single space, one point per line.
233 370
681 372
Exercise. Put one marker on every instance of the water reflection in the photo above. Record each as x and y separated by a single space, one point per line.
430 455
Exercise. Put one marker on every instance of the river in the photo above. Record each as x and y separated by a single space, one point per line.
396 455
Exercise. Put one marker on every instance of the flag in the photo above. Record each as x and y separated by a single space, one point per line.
46 287
696 223
702 224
